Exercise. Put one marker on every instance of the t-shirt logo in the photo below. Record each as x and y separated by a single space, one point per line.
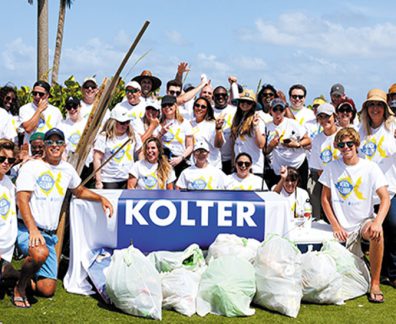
345 187
41 123
5 205
371 147
46 182
198 184
74 138
124 152
168 137
326 155
150 181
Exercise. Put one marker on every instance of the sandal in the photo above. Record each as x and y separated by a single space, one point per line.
20 299
376 297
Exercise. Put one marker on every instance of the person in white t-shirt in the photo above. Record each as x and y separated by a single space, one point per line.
117 131
8 217
243 179
346 113
148 125
202 175
378 144
39 115
297 96
154 170
349 187
41 188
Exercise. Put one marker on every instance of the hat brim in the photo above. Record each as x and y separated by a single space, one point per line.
376 98
339 93
236 101
156 82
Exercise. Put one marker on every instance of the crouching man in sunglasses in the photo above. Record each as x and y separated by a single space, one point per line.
41 188
351 187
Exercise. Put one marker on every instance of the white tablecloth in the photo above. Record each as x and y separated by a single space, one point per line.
91 230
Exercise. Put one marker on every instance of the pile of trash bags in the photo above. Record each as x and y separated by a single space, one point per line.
235 274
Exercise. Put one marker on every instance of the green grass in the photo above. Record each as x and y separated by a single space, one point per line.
71 308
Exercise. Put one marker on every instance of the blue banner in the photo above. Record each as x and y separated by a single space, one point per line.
172 220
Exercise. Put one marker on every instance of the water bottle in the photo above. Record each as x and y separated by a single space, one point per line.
307 214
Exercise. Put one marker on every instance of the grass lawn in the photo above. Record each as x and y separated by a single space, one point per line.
71 308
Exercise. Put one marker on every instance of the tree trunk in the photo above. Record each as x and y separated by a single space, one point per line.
42 40
59 41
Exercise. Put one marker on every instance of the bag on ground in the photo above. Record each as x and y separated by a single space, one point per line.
354 272
191 259
133 284
321 282
231 244
278 276
227 288
179 290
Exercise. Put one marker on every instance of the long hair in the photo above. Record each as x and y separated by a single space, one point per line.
242 123
366 120
209 111
109 130
164 168
178 116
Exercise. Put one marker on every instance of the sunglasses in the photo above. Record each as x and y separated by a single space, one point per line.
71 107
167 106
37 93
200 106
342 144
242 163
56 143
278 108
268 94
248 102
124 123
9 98
344 110
297 97
173 93
87 86
219 95
9 160
131 91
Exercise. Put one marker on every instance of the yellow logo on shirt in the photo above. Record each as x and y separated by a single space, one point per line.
345 187
5 207
371 146
47 183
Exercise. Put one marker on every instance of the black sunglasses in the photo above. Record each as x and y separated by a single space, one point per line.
249 102
243 163
219 95
71 107
268 94
172 93
9 98
131 91
9 160
200 106
344 110
56 143
40 94
124 122
87 86
342 144
297 97
278 108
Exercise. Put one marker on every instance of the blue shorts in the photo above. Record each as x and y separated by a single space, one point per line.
50 267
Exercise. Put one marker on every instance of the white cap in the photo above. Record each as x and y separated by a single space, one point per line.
325 108
120 115
201 145
90 79
133 84
153 103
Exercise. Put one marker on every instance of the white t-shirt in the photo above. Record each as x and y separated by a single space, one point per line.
247 144
352 190
282 155
206 131
323 151
52 118
251 182
296 201
380 147
187 110
228 113
133 112
86 109
303 115
8 219
48 184
117 169
208 178
73 132
146 175
7 128
175 138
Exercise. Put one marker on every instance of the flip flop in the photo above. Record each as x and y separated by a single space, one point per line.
373 297
21 299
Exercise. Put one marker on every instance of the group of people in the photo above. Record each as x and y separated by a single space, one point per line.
200 138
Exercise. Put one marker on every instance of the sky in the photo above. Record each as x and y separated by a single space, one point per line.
315 43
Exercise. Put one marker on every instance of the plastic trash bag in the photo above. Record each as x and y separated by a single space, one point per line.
179 290
133 284
278 276
354 272
231 244
227 288
191 258
321 282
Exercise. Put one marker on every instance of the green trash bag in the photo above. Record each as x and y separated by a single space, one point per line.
227 287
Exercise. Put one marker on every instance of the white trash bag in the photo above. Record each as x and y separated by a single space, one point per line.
231 244
191 259
322 284
133 284
278 276
179 290
227 288
354 272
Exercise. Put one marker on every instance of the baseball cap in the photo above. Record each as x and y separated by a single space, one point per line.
168 100
120 115
90 79
325 108
278 102
153 104
337 89
54 131
133 84
201 145
36 136
72 102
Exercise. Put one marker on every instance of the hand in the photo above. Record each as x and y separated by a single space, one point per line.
165 128
175 161
292 144
36 239
107 206
340 234
256 119
219 122
232 79
99 185
283 172
42 105
183 67
374 231
154 122
274 142
204 79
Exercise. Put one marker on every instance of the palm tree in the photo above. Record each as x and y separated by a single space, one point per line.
59 39
42 39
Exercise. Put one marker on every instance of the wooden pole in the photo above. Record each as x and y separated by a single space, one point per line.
90 132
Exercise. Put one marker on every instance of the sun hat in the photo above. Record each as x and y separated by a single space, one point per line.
247 95
147 74
377 95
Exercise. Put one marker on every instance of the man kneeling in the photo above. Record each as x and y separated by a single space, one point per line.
350 187
41 188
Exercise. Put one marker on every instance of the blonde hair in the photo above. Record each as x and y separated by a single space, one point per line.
178 115
164 168
365 119
109 130
242 123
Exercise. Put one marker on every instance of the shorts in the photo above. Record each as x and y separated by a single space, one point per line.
50 267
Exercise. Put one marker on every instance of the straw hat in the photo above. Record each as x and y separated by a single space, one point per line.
247 95
377 95
147 74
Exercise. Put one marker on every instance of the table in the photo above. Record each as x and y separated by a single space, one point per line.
90 230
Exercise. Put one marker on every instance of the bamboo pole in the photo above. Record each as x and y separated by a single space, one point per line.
90 132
